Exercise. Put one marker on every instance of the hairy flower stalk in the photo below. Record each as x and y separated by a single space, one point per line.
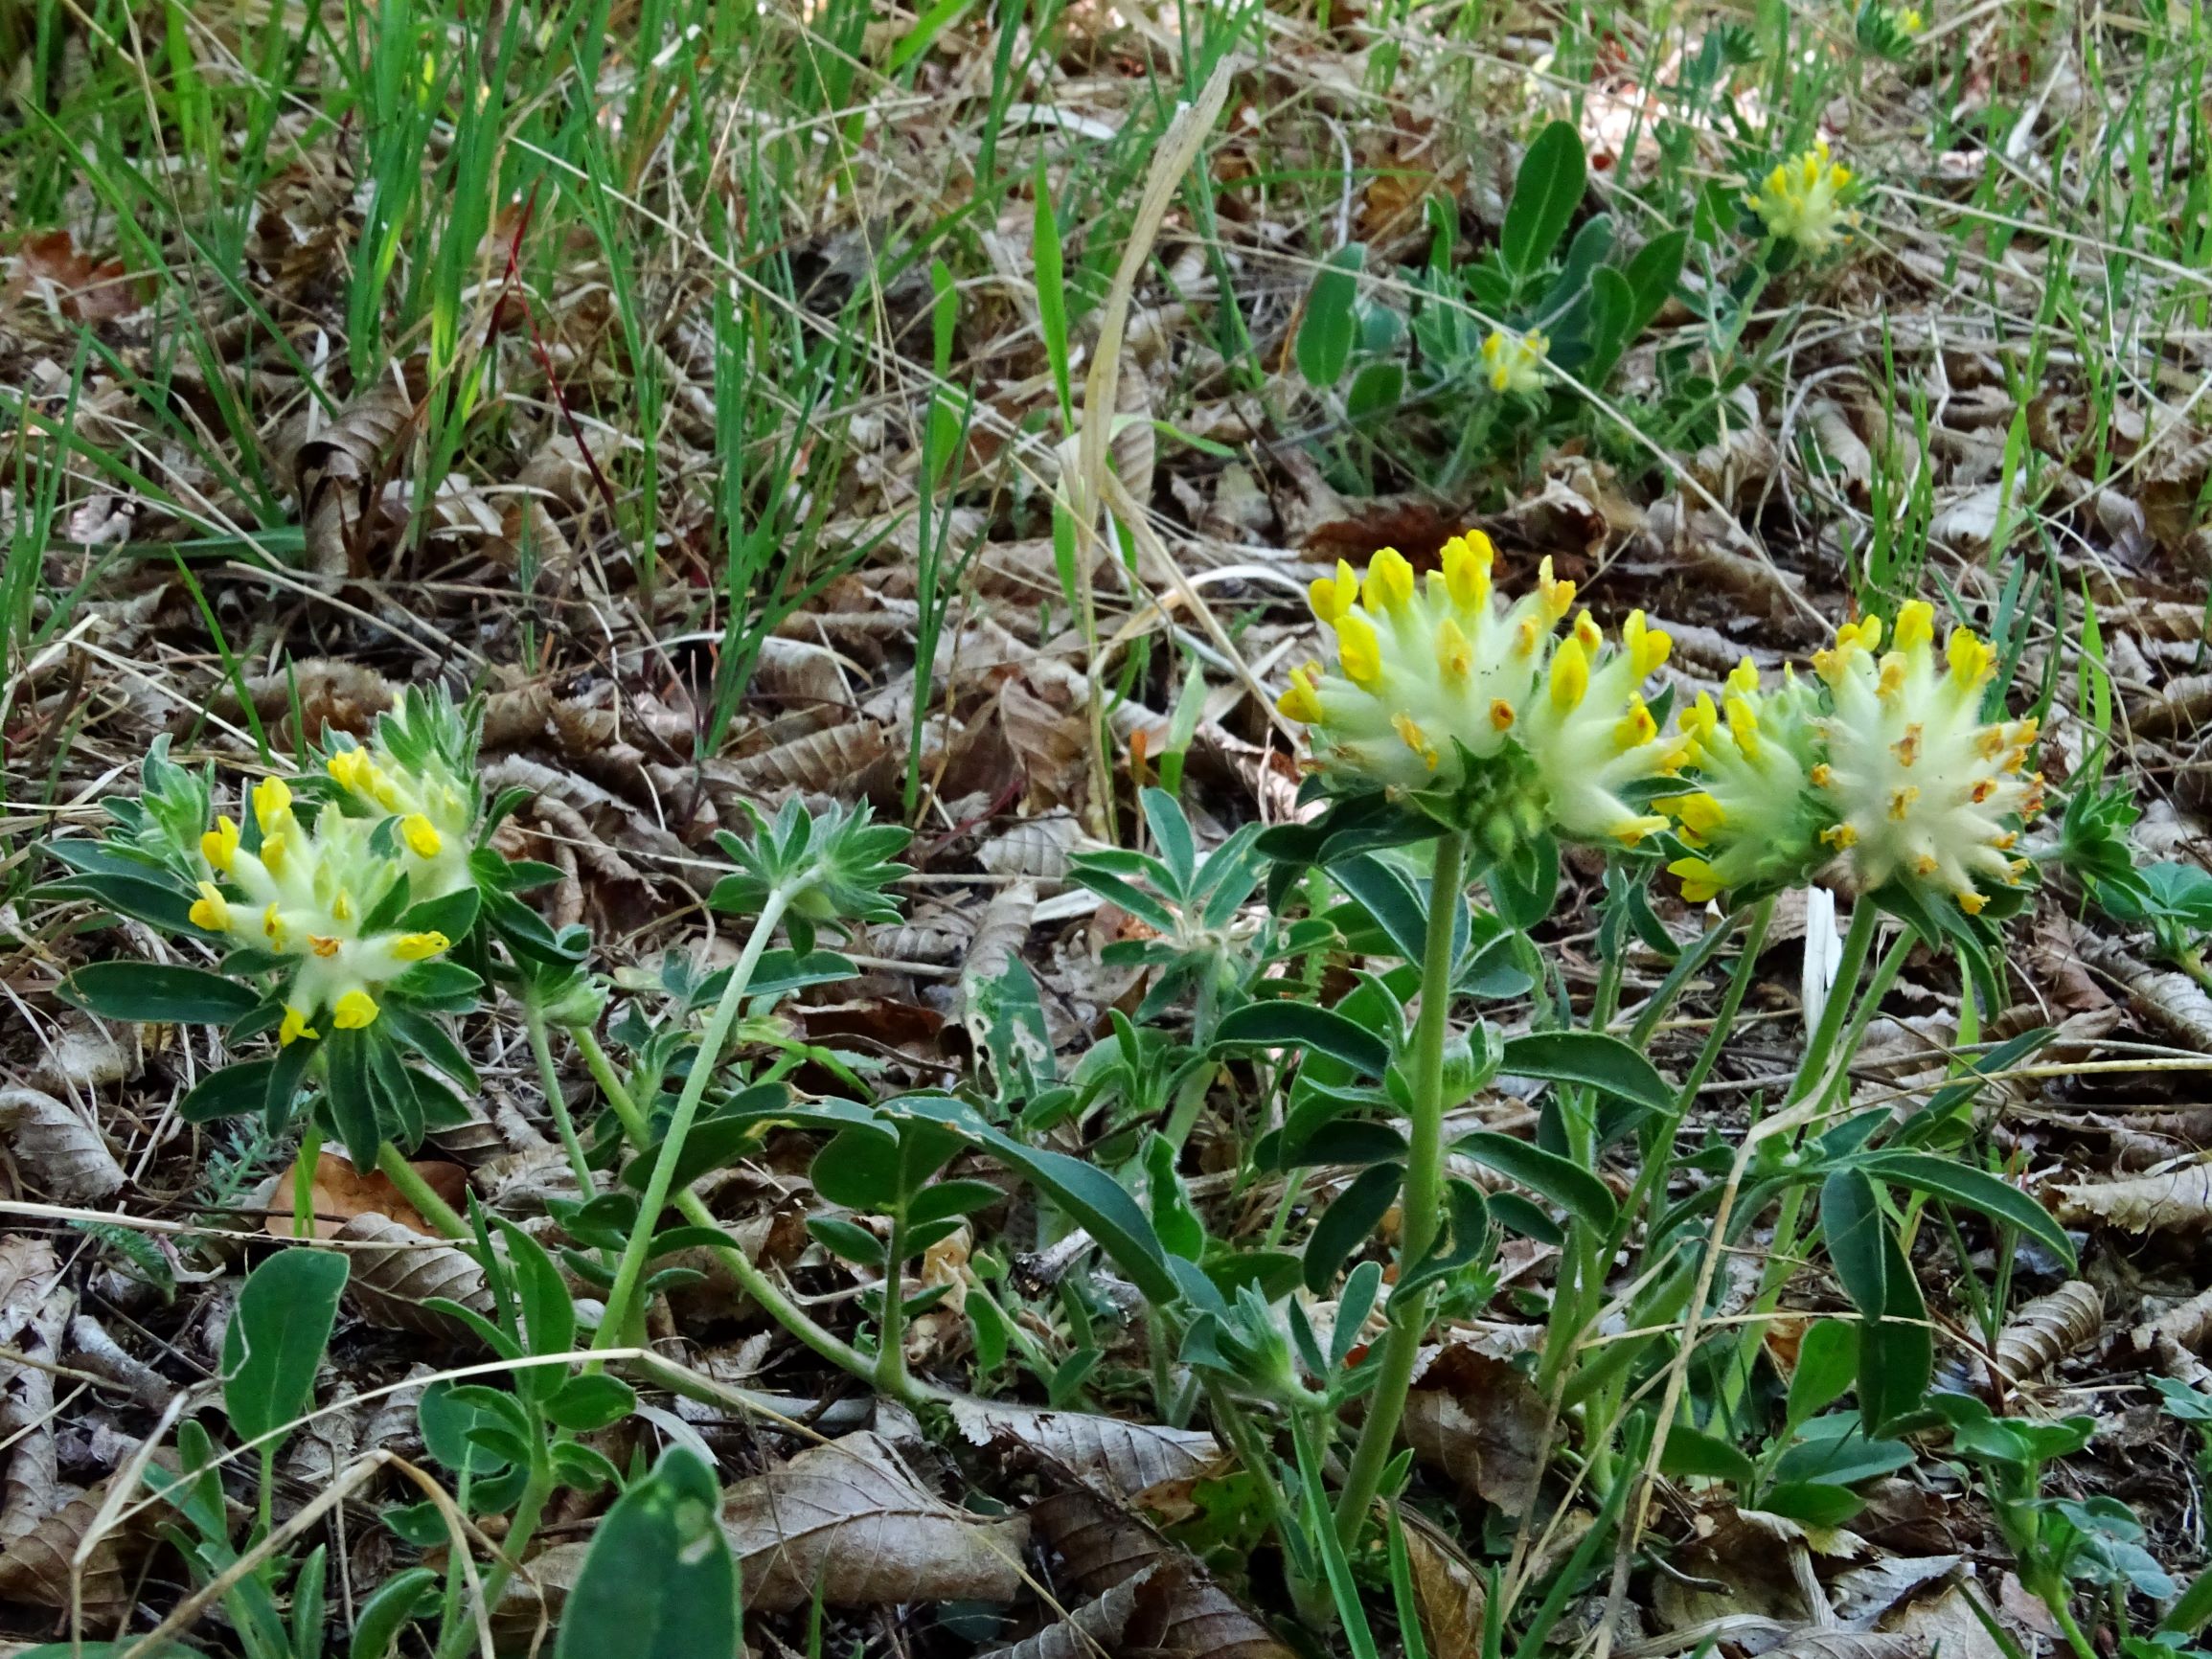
304 896
1803 201
1480 710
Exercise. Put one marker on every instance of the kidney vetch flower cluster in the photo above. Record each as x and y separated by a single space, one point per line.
308 896
1804 201
1895 773
1482 711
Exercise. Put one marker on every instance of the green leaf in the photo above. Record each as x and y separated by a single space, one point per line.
1546 194
2189 1614
846 1240
1605 1063
1975 1189
1297 1024
944 1199
380 1620
1827 1360
1564 1182
452 915
1814 1503
1837 1450
346 1092
447 1415
583 1404
1349 1222
659 1580
859 1169
1174 1222
1652 275
1693 1452
161 992
1897 1351
228 1093
548 1315
276 1337
1851 1221
1093 1199
1325 335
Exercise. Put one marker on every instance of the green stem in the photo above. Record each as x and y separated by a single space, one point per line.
891 1348
529 1508
1423 1205
303 1183
764 1292
556 1102
620 1310
395 1168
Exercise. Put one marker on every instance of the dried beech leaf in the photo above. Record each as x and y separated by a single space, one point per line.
60 1151
1099 1544
847 1521
1035 847
401 1269
2179 1201
338 472
87 1056
1815 1642
1180 1610
1480 1422
1095 1627
1448 1592
35 1567
1000 937
340 1193
2048 1329
1119 1459
2171 1342
821 763
1863 1595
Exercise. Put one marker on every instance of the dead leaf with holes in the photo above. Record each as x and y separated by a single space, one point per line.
2177 1201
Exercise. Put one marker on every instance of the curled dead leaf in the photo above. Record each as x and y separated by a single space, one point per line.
2177 1201
36 1566
1482 1422
62 1152
339 472
2048 1329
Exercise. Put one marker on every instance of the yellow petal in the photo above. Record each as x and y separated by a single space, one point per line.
1570 676
271 801
1389 582
221 845
1359 649
1915 624
420 835
354 1010
1454 655
294 1027
419 946
209 910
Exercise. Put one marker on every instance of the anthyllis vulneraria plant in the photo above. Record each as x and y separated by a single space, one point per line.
330 909
1807 202
1478 711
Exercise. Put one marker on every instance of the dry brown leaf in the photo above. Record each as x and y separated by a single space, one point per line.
1815 1642
2179 1200
2172 1341
1034 846
1482 1422
1863 1595
35 1567
1113 1457
340 1193
1095 1627
63 1154
1179 1610
400 1270
88 1054
2048 1329
848 1522
339 472
999 936
1447 1591
827 762
80 287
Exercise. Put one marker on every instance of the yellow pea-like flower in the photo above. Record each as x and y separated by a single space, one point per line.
420 946
1752 824
221 845
355 1011
1804 201
420 835
210 911
294 1027
272 801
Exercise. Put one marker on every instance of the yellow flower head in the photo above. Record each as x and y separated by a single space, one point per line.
301 896
1440 688
1751 822
404 775
1920 788
1804 201
1515 362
